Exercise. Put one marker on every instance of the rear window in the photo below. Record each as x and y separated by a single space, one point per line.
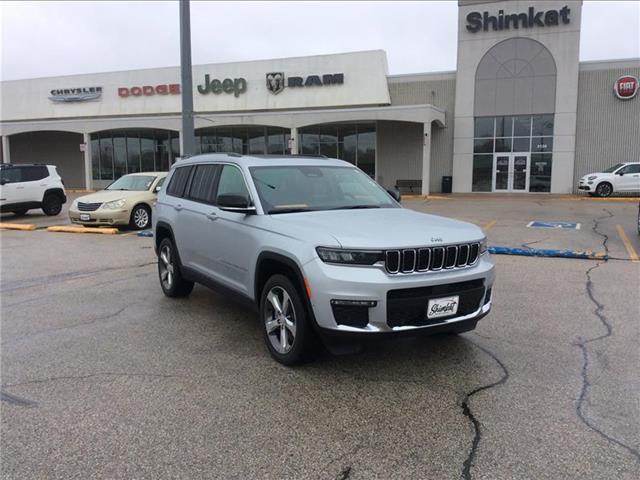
178 181
32 174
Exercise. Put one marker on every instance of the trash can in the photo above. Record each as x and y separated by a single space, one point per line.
446 184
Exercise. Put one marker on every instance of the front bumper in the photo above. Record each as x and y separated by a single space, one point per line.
373 284
583 185
101 217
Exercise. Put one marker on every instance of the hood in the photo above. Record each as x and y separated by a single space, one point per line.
110 195
597 174
380 228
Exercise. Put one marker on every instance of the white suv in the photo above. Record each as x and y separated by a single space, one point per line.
319 249
623 177
24 187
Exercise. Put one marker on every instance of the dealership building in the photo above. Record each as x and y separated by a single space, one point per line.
520 114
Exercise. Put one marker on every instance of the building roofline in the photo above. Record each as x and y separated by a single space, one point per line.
197 65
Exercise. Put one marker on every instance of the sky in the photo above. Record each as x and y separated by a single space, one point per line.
47 38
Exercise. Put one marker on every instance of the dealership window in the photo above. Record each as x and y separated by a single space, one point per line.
118 152
354 143
530 134
246 140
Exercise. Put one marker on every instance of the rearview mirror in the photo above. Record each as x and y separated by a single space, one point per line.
3 181
395 193
157 189
235 203
621 173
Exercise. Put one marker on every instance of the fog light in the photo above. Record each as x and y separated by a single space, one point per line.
355 303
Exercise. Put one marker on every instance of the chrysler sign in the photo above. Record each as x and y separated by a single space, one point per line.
80 94
626 87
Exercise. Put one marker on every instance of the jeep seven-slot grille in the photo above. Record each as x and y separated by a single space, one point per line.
88 207
431 258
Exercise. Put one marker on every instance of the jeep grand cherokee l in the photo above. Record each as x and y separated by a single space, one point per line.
318 248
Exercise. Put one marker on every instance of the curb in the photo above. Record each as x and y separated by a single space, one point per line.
601 199
17 226
64 229
539 252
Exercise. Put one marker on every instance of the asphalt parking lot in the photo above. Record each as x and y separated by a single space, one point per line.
104 377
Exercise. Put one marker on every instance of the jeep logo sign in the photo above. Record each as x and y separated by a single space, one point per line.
215 86
626 87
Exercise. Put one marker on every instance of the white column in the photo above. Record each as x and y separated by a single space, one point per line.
294 142
426 157
6 154
88 167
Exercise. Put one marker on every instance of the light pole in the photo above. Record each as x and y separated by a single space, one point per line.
188 143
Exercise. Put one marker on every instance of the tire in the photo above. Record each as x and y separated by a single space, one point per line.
604 189
294 325
171 281
51 205
19 213
140 217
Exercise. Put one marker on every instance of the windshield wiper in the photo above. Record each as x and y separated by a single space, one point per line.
354 207
289 210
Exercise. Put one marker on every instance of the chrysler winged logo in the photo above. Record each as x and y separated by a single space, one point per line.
275 82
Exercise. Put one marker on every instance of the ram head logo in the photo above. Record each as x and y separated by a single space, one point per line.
275 82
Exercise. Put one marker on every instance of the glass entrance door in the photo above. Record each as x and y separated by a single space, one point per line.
511 172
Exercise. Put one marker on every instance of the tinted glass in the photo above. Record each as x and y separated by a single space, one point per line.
522 126
503 144
484 145
134 183
613 169
540 177
11 175
542 125
542 144
483 127
482 173
232 182
178 181
504 126
106 159
305 188
203 183
32 174
631 169
119 156
521 144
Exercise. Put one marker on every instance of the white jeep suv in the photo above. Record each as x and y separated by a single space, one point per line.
623 177
24 187
318 248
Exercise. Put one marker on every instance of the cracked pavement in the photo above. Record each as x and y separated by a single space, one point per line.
103 377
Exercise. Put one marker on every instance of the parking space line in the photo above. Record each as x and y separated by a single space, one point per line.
627 244
487 226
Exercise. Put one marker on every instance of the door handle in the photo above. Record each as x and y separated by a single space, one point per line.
19 188
212 216
178 207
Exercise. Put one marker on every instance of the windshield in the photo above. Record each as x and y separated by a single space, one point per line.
613 169
286 189
136 183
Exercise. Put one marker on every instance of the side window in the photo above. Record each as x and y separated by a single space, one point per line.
203 184
11 175
33 174
178 181
232 182
160 182
631 169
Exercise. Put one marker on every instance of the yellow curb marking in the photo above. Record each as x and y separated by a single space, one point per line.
104 231
17 226
489 225
627 243
597 199
425 197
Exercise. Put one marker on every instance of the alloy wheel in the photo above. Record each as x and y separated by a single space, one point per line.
280 320
604 189
141 217
166 267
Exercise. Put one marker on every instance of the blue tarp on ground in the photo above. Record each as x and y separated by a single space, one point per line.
541 252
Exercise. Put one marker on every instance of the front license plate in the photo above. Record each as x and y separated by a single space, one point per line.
443 307
85 216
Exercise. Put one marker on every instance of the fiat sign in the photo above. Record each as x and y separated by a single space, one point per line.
626 87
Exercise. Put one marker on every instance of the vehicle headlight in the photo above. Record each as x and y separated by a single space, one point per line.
483 246
592 177
349 257
115 204
74 204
